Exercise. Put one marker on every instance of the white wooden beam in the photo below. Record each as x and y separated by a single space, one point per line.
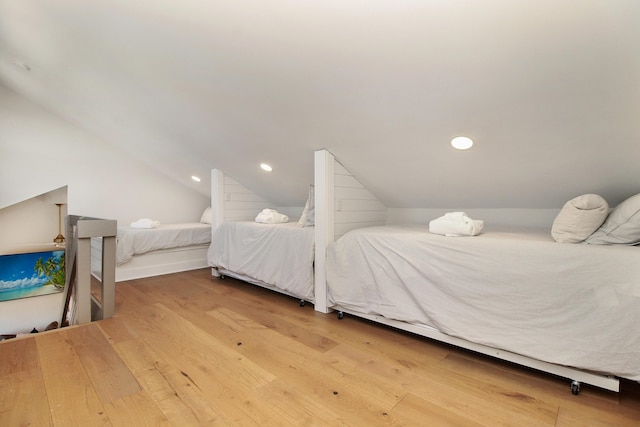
324 223
217 198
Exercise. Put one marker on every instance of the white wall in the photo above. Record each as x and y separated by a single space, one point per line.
32 222
240 203
40 152
30 226
22 315
533 218
231 201
355 206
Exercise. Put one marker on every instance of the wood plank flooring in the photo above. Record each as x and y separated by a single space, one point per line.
188 350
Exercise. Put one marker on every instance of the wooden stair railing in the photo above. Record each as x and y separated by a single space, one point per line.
86 307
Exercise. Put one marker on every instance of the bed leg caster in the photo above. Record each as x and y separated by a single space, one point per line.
302 303
340 315
222 276
575 387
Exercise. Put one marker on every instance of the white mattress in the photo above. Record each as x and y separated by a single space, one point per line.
277 255
569 304
135 241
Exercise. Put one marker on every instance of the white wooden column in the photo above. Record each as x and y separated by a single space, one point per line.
324 223
217 198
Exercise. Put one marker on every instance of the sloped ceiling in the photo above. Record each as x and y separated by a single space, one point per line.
549 91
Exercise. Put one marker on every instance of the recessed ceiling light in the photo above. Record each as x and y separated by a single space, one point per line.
461 143
266 167
195 178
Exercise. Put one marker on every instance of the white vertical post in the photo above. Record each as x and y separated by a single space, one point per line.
217 205
324 223
217 198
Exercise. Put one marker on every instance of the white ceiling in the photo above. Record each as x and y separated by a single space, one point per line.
548 89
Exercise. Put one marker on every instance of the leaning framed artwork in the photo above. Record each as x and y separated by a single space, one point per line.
31 274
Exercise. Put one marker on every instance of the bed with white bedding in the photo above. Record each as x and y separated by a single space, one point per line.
163 249
276 256
136 241
568 309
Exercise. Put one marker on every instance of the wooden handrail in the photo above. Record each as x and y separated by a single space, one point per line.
86 308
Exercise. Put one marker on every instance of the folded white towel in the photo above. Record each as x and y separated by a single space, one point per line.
145 223
456 224
271 216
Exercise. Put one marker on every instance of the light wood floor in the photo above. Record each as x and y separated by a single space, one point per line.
188 349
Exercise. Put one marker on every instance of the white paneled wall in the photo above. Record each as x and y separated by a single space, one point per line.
241 204
341 204
493 218
232 201
355 206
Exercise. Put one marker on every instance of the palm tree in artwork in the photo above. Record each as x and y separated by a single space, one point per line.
52 269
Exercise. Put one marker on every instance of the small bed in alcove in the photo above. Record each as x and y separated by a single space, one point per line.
516 293
572 310
162 249
278 256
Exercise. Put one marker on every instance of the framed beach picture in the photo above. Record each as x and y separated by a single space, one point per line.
31 274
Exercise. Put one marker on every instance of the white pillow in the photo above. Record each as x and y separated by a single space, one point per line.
307 219
206 217
579 218
622 226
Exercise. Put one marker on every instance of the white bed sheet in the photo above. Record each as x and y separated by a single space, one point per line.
278 255
135 241
569 304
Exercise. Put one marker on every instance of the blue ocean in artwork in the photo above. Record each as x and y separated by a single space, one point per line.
19 277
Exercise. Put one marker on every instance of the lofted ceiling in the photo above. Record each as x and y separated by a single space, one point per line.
548 89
